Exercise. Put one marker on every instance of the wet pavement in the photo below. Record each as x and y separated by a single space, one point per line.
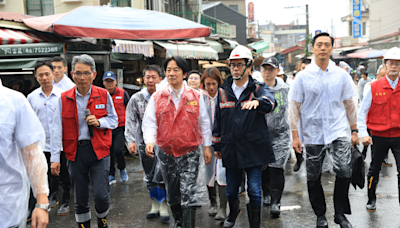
130 203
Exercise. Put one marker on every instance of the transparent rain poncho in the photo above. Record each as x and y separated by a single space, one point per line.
22 161
183 168
323 107
278 124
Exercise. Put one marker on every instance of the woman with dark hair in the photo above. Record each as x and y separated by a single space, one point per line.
193 79
215 172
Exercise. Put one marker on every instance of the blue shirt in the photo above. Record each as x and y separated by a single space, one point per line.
323 117
19 128
366 105
45 108
110 121
64 84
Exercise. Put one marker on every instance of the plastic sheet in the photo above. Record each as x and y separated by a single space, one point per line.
334 157
351 111
152 174
184 178
294 110
278 124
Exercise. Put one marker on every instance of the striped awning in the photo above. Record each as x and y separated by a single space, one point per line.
188 50
9 36
134 47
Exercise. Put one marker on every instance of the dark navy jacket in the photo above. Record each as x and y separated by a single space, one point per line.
242 136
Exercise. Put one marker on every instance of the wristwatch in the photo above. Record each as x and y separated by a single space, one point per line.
43 206
355 130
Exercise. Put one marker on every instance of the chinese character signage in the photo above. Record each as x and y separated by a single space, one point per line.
356 18
250 8
30 49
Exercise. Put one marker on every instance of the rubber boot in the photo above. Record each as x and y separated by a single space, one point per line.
189 218
372 184
265 185
234 212
221 215
300 159
267 196
177 214
254 214
155 205
276 195
84 224
162 194
102 222
212 193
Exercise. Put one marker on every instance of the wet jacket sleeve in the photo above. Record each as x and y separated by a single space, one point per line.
216 133
266 99
132 122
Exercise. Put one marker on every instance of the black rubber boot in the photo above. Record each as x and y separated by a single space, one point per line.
267 197
177 214
189 218
276 195
234 212
102 222
265 185
84 224
212 193
372 184
300 159
254 214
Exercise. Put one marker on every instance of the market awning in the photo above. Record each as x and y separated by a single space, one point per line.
232 43
31 49
9 36
134 47
367 54
259 46
217 46
207 64
8 64
188 50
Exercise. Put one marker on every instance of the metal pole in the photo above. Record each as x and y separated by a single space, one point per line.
307 25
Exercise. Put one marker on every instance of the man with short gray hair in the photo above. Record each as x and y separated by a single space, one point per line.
82 126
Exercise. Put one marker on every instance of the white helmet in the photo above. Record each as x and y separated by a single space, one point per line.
393 53
241 52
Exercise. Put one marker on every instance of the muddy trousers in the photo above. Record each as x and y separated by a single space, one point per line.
340 150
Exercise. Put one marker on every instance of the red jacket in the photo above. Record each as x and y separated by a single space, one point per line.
178 131
384 115
119 105
101 139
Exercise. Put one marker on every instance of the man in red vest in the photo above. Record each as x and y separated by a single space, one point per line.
120 98
380 114
177 121
86 140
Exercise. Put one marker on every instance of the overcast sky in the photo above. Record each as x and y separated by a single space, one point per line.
321 13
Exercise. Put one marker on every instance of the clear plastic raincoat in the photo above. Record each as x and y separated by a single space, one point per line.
22 160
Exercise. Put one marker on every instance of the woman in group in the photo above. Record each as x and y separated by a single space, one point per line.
215 172
193 79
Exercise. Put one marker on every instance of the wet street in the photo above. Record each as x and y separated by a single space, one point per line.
130 203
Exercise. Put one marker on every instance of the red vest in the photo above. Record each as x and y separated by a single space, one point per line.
178 131
384 115
119 105
102 138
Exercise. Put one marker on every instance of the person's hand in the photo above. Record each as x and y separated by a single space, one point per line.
297 145
55 168
367 140
132 148
354 139
92 121
207 155
40 218
251 105
218 154
149 150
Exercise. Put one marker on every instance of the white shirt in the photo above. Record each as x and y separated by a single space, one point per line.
45 108
239 90
149 124
19 128
323 117
366 105
64 84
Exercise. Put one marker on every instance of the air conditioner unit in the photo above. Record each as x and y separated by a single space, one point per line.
71 1
2 2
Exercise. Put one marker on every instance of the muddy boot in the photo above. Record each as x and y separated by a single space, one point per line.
177 214
221 215
234 208
275 210
189 218
254 214
212 193
372 184
300 159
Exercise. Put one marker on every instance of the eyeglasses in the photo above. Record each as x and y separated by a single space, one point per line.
397 64
239 65
80 74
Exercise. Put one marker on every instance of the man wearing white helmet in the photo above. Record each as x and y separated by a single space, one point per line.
380 114
240 133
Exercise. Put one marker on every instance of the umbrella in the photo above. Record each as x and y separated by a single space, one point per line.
106 22
367 54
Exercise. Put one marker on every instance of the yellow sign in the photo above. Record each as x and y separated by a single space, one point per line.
192 103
